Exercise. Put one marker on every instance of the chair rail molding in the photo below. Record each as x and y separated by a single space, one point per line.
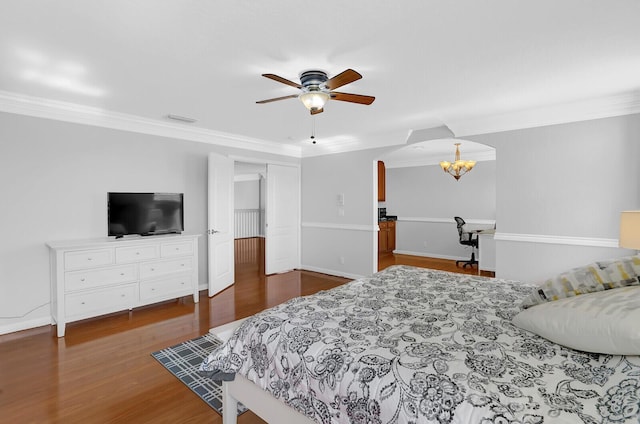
446 220
565 240
333 226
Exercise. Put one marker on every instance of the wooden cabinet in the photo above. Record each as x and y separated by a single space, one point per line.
95 277
381 181
387 236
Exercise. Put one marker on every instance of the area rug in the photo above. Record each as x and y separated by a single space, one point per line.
183 360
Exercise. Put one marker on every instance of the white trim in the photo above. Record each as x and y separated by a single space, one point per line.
603 107
25 325
246 177
621 104
446 220
260 161
431 255
434 160
348 227
565 240
80 114
331 272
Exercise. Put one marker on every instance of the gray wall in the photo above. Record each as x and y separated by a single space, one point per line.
559 192
247 194
54 178
425 199
334 243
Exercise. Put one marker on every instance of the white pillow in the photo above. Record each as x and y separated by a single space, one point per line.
601 322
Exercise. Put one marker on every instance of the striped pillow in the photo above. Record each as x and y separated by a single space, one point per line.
598 276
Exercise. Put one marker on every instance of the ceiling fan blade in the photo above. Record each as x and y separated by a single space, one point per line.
282 80
292 96
342 78
353 98
316 111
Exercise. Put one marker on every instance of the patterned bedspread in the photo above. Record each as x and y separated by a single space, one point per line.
412 345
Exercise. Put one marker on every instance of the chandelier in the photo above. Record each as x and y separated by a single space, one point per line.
458 167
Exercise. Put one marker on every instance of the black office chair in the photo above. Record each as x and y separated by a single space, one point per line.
467 239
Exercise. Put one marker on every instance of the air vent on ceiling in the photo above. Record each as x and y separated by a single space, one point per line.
182 118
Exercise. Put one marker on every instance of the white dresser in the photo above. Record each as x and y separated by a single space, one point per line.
101 276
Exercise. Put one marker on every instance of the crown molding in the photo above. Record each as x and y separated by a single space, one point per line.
429 160
344 144
604 107
80 114
584 110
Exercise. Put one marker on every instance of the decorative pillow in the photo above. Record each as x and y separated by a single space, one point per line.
598 276
623 271
604 322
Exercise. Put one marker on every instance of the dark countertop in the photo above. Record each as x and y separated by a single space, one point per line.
388 218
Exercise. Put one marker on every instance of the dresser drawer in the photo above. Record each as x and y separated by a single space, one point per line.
87 258
176 249
160 268
135 253
78 280
166 288
100 301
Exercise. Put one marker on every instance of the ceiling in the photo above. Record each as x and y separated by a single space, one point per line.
469 65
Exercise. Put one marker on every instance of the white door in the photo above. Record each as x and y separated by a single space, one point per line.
220 232
282 252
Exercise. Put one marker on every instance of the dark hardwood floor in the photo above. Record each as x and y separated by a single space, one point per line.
102 370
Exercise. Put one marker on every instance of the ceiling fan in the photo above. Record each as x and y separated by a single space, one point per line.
317 89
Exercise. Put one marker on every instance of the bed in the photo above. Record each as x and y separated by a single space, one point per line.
413 345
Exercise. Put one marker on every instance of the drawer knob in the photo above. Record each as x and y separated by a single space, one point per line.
122 295
122 273
89 259
177 248
82 279
82 303
137 253
182 283
181 264
153 269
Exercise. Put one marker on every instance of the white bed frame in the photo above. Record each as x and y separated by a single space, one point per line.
262 403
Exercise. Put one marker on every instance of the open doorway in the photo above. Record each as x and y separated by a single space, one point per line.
280 226
422 200
249 218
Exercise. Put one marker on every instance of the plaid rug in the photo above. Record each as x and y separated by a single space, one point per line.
183 360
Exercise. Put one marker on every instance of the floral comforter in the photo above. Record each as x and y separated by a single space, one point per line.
412 345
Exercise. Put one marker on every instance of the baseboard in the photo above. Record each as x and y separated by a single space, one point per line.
25 325
331 272
431 255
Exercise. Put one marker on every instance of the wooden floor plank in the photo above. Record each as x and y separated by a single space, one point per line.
102 370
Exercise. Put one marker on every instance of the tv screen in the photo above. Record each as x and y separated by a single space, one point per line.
145 213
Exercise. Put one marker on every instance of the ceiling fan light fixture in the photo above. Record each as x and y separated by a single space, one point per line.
314 100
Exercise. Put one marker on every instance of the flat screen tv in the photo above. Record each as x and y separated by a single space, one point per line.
145 213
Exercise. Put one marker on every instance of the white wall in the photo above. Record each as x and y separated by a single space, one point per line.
425 199
54 177
563 184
